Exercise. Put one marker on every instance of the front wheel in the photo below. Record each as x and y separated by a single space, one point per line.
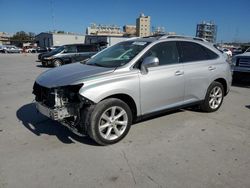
110 121
214 97
57 63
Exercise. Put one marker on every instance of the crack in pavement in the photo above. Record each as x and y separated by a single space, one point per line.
131 171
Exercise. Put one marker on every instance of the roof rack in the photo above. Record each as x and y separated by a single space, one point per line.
182 37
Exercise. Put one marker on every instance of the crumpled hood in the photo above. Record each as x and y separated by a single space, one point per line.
70 74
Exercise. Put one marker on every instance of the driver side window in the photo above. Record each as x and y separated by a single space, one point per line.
166 52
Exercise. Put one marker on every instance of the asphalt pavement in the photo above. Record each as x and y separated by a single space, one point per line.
182 149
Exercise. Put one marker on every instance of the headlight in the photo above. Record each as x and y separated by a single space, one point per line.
48 58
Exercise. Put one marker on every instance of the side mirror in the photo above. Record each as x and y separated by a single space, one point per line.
149 62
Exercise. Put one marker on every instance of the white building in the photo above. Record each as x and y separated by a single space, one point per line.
104 40
58 39
104 30
4 38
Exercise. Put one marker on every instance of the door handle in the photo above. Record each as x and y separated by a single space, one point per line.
179 73
211 68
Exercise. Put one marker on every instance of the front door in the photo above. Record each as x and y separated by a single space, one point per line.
163 86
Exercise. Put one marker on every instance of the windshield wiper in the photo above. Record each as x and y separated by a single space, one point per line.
95 64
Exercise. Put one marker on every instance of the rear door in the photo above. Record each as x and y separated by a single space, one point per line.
200 66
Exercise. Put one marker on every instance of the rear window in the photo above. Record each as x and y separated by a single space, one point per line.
190 51
86 48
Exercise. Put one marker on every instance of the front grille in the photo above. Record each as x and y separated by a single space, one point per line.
44 95
244 62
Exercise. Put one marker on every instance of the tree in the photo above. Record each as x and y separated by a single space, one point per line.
22 36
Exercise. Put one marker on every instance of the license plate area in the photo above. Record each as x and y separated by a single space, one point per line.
55 114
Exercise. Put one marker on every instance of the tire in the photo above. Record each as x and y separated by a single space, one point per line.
102 124
57 63
44 64
214 97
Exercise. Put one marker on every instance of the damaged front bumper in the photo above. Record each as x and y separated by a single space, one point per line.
56 114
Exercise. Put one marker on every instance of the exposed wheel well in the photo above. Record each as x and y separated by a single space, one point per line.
224 83
128 100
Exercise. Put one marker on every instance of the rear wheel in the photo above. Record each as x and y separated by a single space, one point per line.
110 121
214 97
57 63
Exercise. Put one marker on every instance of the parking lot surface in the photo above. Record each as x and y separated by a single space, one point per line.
184 148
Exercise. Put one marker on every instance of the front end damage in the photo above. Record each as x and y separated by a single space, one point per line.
62 104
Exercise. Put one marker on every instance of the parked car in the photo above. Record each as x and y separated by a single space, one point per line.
68 54
131 80
228 52
31 50
236 51
241 64
53 48
2 49
10 49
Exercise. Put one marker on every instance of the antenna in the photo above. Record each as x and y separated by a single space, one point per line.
236 35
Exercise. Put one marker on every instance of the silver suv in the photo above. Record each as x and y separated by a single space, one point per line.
103 96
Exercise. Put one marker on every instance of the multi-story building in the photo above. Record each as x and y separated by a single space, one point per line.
143 26
207 30
4 38
104 30
129 30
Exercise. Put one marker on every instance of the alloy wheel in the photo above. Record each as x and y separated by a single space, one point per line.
113 123
215 97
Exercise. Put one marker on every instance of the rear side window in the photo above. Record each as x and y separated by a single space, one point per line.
86 48
190 51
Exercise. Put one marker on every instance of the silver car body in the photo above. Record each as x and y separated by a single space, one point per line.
163 87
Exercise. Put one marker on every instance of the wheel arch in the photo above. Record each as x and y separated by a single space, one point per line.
128 100
224 84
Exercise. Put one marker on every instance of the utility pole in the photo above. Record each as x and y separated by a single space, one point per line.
53 15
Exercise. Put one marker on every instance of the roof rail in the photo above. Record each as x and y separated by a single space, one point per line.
182 37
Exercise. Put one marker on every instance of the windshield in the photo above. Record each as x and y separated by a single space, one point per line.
248 50
58 50
118 55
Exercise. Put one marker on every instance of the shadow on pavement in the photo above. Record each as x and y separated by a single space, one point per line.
248 106
241 80
40 124
41 66
158 115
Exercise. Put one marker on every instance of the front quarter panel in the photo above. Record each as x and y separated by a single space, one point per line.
118 82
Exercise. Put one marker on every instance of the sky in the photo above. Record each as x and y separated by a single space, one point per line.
180 16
